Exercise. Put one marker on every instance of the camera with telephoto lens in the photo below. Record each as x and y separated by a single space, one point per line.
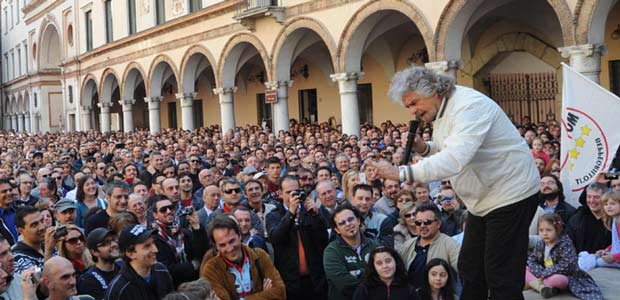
299 193
186 211
611 176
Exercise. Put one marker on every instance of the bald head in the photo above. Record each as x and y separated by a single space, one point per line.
59 277
54 264
211 197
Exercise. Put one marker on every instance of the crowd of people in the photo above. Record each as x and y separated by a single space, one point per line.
254 215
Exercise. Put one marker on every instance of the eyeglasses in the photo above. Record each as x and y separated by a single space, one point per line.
235 190
164 209
425 222
194 161
346 221
107 242
410 215
75 240
46 175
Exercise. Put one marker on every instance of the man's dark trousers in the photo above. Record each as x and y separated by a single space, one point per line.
494 252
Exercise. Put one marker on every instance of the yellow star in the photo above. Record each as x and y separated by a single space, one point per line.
574 154
571 165
579 142
585 130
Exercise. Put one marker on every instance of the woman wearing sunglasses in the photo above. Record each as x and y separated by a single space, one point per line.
405 230
73 248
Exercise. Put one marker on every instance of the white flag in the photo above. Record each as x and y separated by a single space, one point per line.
590 132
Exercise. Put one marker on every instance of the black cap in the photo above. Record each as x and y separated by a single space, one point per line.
133 235
97 236
38 153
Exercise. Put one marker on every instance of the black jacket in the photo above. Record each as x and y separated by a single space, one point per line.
586 232
95 282
283 235
383 292
563 209
129 285
196 244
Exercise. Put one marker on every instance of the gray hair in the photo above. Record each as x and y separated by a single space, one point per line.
110 186
597 187
422 81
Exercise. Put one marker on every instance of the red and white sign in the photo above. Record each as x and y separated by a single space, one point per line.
271 96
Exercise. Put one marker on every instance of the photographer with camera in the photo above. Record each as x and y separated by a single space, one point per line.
179 249
299 237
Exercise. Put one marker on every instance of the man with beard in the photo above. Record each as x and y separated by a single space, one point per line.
103 246
179 249
186 186
552 192
141 277
387 204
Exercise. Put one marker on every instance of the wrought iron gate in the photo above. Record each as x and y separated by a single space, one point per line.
522 95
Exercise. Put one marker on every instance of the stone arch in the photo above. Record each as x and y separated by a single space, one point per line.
88 90
284 36
227 70
189 66
129 79
20 103
348 43
50 42
27 100
591 19
509 43
456 14
106 85
156 72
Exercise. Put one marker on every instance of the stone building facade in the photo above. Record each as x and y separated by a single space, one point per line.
126 64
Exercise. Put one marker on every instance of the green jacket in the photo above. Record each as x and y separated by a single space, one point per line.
344 267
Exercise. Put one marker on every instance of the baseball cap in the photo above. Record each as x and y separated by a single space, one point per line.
259 175
38 153
97 236
249 170
64 204
133 235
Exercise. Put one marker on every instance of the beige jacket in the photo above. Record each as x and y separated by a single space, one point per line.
442 246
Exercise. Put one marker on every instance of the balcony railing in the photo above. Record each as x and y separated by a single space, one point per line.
247 6
248 10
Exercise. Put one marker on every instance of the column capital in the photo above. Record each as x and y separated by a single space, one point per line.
583 50
274 85
87 107
445 66
127 102
228 90
37 114
182 96
104 105
155 99
346 76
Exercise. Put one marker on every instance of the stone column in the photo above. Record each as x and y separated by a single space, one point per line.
86 120
20 122
347 85
585 59
154 115
14 122
105 116
128 114
7 122
280 108
37 122
226 107
27 120
448 68
187 110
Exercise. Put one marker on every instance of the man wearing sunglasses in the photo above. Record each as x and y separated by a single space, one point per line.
429 244
103 246
451 212
231 193
179 249
344 259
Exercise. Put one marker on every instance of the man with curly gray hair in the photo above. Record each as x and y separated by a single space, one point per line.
490 166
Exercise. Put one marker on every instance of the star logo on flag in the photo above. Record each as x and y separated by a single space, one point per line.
585 130
573 153
579 142
571 165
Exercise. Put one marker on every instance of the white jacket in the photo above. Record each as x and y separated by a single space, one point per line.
480 151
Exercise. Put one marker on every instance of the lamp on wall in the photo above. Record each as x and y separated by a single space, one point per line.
419 55
302 71
616 33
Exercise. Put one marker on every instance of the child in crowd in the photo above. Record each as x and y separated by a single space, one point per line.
610 257
439 281
552 265
537 150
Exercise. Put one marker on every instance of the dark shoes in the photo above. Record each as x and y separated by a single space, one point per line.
548 292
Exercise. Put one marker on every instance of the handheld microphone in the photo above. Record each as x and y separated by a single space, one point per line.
413 128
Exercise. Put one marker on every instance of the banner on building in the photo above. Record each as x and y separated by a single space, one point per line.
590 132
